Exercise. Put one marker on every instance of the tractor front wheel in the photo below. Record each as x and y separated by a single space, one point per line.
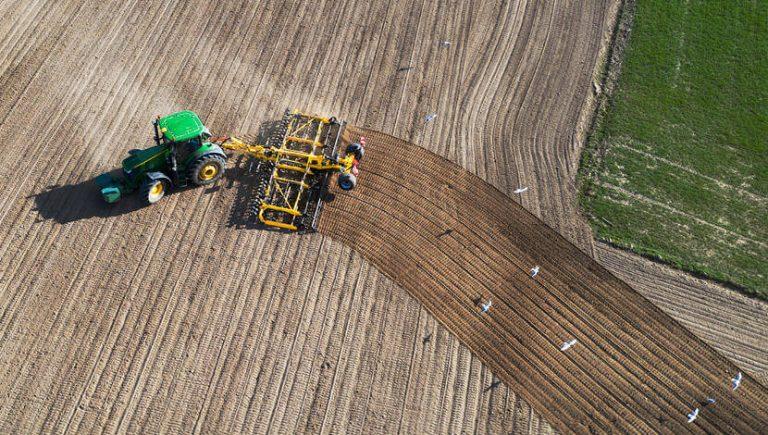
207 169
153 190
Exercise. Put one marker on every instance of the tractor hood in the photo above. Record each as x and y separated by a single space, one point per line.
181 126
149 158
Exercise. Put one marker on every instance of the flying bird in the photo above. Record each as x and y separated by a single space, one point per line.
486 306
736 381
430 117
568 344
535 271
520 189
692 416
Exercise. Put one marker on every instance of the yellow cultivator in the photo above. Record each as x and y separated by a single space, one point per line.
294 168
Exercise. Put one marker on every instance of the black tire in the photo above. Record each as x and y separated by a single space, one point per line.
347 181
153 191
207 169
357 150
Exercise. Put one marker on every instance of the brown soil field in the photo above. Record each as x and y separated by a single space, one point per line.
173 318
454 242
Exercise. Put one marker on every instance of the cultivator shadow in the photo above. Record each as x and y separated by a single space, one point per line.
292 170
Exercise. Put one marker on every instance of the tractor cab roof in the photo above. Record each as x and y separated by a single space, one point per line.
181 126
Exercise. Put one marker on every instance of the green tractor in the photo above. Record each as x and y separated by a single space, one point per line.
182 156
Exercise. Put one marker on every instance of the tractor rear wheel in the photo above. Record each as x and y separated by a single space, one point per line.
153 190
207 169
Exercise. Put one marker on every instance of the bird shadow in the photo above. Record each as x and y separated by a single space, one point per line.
493 386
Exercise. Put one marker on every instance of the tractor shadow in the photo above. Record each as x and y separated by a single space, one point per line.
74 202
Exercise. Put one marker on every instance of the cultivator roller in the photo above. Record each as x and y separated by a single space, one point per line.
293 169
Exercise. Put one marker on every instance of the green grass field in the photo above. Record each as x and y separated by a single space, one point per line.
677 167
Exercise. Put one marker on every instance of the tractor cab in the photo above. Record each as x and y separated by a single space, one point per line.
182 132
179 128
184 138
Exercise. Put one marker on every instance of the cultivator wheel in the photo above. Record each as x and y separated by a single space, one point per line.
356 149
347 181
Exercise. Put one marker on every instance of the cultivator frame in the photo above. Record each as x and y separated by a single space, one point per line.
294 167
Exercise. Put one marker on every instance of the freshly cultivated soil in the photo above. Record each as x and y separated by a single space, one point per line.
454 242
173 318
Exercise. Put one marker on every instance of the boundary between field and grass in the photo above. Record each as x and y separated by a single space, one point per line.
603 86
591 166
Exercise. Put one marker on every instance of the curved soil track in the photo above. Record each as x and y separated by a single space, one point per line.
453 241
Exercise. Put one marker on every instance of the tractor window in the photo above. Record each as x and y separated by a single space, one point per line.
185 149
193 144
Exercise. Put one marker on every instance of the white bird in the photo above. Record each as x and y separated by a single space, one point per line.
736 381
535 271
692 416
430 117
567 345
521 189
710 400
445 43
486 306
